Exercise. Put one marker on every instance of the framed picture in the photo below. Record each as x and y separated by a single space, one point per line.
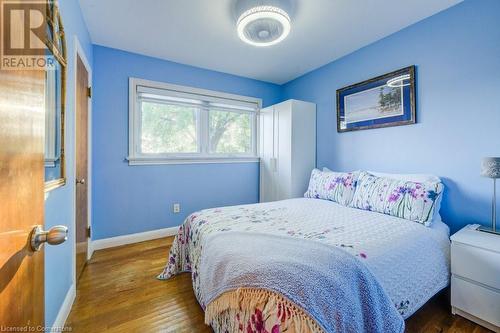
387 100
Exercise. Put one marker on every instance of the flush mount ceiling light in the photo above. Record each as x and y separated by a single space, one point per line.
263 25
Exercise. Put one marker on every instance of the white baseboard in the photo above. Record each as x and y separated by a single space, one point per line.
64 310
105 243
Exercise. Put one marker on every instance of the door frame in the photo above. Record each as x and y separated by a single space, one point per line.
79 53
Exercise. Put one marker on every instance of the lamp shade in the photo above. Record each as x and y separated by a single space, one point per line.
490 167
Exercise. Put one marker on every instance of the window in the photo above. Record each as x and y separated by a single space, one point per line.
176 124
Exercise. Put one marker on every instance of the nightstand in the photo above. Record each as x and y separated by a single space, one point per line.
475 276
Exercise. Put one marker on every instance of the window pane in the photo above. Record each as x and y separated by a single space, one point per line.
230 132
168 128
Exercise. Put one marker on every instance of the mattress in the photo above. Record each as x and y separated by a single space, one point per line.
409 260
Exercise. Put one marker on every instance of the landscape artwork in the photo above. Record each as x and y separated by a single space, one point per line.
387 100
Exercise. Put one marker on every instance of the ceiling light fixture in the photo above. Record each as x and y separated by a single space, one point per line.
263 25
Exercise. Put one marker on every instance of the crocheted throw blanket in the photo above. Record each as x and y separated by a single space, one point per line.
325 288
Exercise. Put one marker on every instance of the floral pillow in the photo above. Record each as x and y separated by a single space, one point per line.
334 186
409 200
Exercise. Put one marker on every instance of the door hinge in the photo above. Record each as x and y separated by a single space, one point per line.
89 92
89 232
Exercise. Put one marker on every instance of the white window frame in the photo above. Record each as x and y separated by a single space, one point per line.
135 157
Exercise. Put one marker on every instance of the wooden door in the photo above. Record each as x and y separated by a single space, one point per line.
22 126
82 84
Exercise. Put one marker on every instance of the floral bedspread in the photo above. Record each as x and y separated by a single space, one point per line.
409 260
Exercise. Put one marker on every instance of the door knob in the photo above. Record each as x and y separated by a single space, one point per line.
54 236
80 181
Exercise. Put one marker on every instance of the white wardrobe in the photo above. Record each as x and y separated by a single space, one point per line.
287 149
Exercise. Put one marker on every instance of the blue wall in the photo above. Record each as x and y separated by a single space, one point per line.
457 54
129 199
59 206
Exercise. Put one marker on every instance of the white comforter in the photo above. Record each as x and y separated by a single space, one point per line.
409 260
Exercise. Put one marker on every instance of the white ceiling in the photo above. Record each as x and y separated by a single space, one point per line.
202 33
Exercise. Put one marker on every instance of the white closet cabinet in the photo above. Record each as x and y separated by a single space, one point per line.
287 149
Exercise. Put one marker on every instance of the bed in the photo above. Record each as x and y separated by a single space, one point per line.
409 261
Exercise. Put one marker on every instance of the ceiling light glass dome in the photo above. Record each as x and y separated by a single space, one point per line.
263 25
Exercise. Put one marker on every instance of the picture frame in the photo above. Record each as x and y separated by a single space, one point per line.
55 106
383 101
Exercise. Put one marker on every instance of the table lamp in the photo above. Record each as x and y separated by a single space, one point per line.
491 169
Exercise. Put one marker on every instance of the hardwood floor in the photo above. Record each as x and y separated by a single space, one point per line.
118 292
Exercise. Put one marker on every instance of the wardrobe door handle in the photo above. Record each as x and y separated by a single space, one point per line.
274 165
81 181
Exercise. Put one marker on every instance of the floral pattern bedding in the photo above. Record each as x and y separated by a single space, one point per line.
414 201
335 186
409 260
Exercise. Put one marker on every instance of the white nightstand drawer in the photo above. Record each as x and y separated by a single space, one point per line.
476 264
478 301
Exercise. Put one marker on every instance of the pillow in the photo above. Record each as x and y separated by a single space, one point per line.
412 177
414 201
418 178
334 186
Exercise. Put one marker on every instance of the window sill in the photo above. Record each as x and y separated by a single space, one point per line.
204 160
